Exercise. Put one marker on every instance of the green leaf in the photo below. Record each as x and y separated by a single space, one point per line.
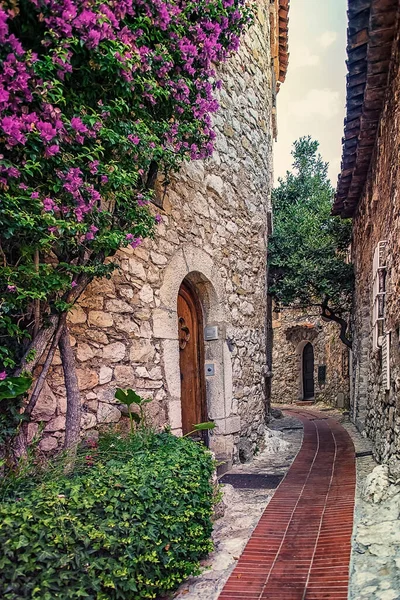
12 387
204 426
128 397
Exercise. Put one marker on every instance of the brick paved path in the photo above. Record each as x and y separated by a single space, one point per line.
300 549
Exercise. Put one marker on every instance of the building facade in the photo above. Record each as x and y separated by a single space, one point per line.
309 362
369 193
183 319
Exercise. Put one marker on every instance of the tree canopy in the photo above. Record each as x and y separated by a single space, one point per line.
309 247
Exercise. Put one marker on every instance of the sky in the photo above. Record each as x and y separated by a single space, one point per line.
312 99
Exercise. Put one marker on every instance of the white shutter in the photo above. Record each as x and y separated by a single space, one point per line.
386 361
379 294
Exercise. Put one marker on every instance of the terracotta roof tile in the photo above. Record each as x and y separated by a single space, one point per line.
371 30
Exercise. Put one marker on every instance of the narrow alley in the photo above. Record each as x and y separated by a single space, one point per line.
301 547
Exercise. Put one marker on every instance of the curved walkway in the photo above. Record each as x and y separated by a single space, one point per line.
300 549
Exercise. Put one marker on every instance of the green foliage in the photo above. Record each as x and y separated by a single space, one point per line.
133 523
209 425
12 387
309 247
129 398
12 391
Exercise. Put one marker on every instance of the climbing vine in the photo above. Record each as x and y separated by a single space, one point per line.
96 98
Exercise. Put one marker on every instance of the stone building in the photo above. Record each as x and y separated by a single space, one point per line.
183 319
369 192
309 362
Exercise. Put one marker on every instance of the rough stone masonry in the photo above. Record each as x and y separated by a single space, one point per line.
214 234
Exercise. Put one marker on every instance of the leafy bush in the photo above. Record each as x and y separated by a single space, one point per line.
132 523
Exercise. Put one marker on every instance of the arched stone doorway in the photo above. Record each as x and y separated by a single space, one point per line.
308 372
193 266
191 358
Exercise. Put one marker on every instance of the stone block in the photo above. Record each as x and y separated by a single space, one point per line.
87 379
136 269
48 444
216 184
146 294
45 406
98 318
84 352
118 306
229 425
57 424
114 352
88 420
141 351
108 413
77 315
175 414
124 376
165 324
106 374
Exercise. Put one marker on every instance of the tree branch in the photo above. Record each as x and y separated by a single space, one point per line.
329 315
73 418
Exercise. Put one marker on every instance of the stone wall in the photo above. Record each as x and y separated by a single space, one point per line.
214 233
292 330
375 408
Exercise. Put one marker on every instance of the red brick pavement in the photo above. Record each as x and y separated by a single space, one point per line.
300 549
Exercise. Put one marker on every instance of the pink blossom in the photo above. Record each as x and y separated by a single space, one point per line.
3 375
11 288
52 150
134 139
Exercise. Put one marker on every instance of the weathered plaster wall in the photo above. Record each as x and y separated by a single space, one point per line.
378 218
214 231
292 329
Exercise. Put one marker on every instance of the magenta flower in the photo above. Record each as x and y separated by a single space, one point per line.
78 125
49 205
134 139
11 288
46 130
52 150
3 375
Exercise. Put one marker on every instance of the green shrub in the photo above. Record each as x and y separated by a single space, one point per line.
131 524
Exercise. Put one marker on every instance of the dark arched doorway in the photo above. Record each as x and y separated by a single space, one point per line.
191 359
308 372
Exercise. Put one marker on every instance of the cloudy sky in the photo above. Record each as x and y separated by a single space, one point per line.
312 100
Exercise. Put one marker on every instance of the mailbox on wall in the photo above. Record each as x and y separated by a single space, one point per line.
322 374
211 333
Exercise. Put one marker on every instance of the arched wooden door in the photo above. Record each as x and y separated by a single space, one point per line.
191 345
308 372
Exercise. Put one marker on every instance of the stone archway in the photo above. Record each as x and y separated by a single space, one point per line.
196 267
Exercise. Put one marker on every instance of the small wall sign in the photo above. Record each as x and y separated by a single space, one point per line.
211 333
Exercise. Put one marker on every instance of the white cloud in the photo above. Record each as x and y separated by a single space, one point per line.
303 57
327 38
317 103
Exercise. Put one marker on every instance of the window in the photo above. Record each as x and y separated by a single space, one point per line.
379 295
382 338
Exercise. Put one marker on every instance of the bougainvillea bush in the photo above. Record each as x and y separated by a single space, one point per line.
96 98
131 525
